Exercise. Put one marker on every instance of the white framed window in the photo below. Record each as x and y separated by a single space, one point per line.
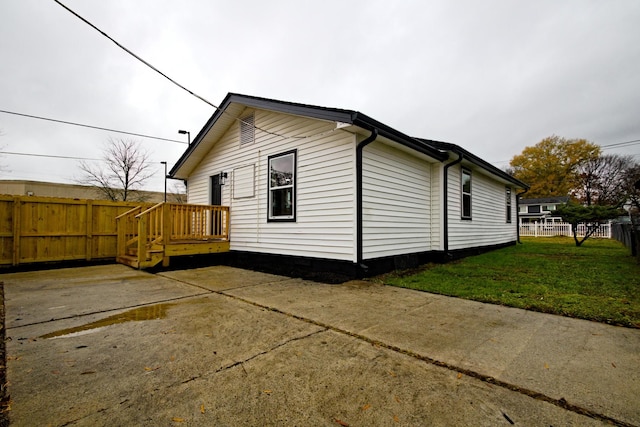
466 194
507 195
282 187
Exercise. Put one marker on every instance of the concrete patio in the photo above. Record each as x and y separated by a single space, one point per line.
108 345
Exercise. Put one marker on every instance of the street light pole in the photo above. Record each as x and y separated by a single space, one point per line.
186 132
165 181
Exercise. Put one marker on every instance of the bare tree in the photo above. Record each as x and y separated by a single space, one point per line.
127 168
633 205
3 167
632 183
179 192
602 180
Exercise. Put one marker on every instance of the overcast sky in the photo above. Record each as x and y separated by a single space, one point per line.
493 76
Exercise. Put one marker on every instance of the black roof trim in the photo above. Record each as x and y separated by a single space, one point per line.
554 199
323 113
475 160
340 115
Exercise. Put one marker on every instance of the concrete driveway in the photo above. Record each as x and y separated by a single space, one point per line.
108 345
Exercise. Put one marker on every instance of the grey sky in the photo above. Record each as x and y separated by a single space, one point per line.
491 76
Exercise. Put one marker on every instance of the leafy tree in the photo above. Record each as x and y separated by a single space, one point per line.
591 216
603 180
127 169
550 166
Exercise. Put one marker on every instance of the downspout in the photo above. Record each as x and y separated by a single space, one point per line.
359 148
445 193
518 214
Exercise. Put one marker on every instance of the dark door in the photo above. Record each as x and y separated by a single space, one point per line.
216 200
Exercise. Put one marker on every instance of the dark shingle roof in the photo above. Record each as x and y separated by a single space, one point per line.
543 200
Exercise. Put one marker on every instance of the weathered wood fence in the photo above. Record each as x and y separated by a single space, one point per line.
43 229
541 229
624 233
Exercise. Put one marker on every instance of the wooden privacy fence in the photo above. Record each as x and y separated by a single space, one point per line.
43 229
627 235
536 229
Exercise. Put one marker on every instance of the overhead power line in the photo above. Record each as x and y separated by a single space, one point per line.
605 146
134 55
48 156
90 126
620 144
192 93
53 156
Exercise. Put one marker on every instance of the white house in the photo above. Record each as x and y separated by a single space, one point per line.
539 210
327 188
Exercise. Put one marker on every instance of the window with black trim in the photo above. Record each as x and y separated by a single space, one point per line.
466 194
282 187
507 194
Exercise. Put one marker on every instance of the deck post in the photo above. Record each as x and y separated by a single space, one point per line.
121 236
167 221
227 214
142 239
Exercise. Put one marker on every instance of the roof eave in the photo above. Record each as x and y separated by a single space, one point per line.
477 161
322 113
421 146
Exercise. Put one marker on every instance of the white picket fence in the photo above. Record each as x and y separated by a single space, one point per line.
536 229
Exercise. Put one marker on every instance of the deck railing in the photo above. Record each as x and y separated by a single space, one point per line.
199 222
127 229
165 223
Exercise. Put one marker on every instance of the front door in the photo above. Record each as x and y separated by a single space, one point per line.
216 200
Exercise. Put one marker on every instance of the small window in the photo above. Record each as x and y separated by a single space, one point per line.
282 187
466 194
247 130
507 194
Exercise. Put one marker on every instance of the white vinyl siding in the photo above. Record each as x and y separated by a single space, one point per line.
488 226
508 205
325 187
396 202
437 206
244 181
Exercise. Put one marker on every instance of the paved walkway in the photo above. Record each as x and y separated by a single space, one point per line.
222 346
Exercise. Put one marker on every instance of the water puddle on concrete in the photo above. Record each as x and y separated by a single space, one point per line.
148 312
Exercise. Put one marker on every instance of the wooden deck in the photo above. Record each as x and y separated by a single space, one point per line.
148 237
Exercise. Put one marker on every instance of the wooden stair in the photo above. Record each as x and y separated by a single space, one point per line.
149 237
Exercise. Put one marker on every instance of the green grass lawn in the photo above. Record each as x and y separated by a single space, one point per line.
598 281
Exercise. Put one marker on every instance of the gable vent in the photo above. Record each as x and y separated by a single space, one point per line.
247 130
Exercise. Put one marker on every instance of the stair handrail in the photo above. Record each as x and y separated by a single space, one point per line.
129 212
149 209
122 230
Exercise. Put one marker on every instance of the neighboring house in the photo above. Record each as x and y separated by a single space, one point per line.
71 191
329 188
539 210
